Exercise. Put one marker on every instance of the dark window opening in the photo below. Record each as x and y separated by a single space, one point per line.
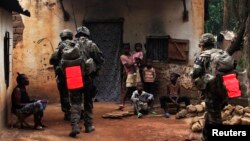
157 48
6 57
165 49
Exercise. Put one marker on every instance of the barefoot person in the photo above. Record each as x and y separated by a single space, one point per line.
23 104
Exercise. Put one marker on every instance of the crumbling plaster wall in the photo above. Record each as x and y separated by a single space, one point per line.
40 38
141 18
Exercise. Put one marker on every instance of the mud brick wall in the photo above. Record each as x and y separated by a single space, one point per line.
163 71
18 28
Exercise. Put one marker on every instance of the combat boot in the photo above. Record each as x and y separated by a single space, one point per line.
74 131
89 129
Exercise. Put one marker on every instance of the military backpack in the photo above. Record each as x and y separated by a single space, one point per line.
220 63
73 66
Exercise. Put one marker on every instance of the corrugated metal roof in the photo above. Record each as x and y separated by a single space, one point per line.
13 5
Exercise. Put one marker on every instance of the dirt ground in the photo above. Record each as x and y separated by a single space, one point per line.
148 128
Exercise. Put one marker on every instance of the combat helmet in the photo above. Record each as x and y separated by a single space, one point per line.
84 30
207 40
66 33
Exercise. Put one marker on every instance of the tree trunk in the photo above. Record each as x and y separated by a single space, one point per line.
236 44
236 10
246 48
241 31
225 15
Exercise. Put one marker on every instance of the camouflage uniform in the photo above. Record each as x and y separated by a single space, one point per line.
88 50
213 89
60 78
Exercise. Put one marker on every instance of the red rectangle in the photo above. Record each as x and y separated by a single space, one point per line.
74 83
74 77
232 85
73 71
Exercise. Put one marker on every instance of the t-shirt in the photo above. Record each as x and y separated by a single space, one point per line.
125 59
149 74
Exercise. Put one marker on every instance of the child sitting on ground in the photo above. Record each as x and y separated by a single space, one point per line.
142 101
173 94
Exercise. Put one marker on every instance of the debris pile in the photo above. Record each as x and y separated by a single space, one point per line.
231 115
234 115
197 124
191 111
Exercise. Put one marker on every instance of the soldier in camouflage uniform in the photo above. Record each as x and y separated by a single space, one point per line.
66 38
93 59
211 87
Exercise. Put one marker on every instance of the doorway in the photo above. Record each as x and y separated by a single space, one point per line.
108 37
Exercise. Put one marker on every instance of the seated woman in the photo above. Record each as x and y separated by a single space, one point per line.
173 91
142 101
22 104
